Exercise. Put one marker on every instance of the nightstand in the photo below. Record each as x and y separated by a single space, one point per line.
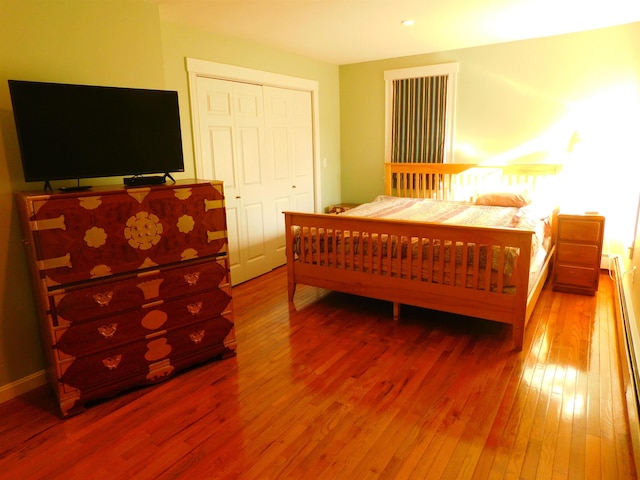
578 253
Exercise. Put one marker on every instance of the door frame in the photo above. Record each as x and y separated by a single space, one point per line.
221 71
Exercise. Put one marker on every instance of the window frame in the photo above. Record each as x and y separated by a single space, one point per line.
448 69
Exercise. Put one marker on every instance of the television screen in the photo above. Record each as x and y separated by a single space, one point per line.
81 131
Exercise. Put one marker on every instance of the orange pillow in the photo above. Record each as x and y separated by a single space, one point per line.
503 199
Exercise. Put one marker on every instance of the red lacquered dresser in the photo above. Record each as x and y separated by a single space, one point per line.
132 284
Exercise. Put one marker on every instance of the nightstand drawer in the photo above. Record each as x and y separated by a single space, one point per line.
581 230
576 276
578 254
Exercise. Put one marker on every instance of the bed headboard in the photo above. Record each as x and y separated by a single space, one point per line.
462 181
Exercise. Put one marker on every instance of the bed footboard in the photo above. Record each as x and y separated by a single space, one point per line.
475 271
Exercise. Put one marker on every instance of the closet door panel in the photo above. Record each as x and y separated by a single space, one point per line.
254 188
255 229
303 202
283 204
302 160
215 104
251 157
233 231
221 148
280 152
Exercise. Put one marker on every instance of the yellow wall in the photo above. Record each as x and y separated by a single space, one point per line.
523 101
118 43
518 99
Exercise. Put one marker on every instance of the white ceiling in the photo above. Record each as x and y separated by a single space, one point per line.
352 31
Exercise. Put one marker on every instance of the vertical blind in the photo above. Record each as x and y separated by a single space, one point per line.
419 119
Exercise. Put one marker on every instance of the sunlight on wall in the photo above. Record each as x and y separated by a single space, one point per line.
603 156
598 142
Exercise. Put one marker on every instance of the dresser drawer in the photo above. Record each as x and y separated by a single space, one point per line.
107 367
583 230
105 333
194 339
578 254
576 276
96 234
150 359
126 293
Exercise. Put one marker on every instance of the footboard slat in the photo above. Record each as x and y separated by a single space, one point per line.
334 250
465 260
501 266
487 267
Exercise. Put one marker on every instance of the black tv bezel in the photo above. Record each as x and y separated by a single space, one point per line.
105 170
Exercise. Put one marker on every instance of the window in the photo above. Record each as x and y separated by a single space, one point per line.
419 113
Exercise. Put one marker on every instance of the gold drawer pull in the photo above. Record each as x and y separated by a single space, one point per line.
103 298
191 278
194 308
196 337
112 362
108 331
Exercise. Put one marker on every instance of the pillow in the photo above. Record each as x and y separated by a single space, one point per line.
503 199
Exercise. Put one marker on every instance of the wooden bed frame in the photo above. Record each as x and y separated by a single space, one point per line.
360 273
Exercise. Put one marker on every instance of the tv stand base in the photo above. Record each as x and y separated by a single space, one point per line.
139 180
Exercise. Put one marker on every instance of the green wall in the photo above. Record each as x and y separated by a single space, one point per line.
118 43
110 43
180 42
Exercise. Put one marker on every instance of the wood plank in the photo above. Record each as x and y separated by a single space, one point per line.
332 388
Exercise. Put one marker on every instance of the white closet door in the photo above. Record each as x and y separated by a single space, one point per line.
265 159
232 143
289 142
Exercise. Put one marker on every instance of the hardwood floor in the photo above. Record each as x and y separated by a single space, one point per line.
333 389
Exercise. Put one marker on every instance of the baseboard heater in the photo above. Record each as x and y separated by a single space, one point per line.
629 345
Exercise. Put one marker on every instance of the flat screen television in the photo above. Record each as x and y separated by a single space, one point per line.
82 131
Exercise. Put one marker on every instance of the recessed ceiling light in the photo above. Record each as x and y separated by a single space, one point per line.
408 22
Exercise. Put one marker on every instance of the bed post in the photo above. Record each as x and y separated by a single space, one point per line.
388 180
518 334
289 239
519 318
396 311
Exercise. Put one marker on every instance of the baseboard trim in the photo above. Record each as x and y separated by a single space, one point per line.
629 345
24 385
